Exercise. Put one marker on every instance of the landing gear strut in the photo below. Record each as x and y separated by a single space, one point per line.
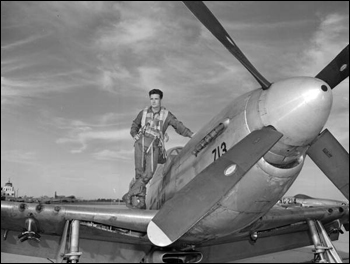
324 251
30 231
73 253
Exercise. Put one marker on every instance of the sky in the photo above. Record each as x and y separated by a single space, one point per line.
74 75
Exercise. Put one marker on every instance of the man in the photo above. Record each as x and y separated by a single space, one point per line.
148 131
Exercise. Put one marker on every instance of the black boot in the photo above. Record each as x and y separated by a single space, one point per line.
127 199
138 188
141 203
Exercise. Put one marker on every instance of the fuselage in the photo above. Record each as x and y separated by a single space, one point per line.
297 107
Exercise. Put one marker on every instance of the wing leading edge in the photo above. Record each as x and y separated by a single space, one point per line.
50 219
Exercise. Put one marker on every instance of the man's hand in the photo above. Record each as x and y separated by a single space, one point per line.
137 137
166 137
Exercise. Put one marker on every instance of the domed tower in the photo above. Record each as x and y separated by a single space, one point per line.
8 190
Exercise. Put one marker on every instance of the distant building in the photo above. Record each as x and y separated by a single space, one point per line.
8 190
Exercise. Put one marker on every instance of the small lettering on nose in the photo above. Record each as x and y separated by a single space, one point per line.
327 152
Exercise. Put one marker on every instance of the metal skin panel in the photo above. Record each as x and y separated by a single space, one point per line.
211 185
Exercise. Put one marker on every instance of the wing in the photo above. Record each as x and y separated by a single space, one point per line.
105 234
119 234
201 194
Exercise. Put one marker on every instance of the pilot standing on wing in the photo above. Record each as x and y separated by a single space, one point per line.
148 130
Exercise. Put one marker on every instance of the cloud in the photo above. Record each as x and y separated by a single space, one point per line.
73 45
102 121
47 48
150 78
23 90
114 80
110 119
84 137
19 156
330 38
112 135
97 130
111 155
266 26
22 42
13 92
129 32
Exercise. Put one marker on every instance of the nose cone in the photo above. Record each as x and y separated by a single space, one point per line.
297 107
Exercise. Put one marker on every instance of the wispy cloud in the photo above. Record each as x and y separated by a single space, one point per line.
14 92
111 155
56 56
19 156
95 130
83 136
129 32
22 90
330 38
22 42
97 121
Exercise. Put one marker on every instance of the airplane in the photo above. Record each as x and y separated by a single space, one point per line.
220 197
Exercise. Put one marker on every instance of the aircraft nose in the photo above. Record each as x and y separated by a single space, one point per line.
297 107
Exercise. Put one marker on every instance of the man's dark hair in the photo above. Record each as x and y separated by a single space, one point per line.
156 91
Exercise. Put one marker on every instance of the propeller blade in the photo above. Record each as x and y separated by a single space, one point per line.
213 25
337 70
206 190
332 159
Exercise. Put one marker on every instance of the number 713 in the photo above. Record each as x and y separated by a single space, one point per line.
219 151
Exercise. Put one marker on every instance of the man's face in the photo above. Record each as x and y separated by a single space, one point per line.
155 100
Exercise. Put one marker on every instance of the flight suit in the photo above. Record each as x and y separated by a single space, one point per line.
152 127
143 172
